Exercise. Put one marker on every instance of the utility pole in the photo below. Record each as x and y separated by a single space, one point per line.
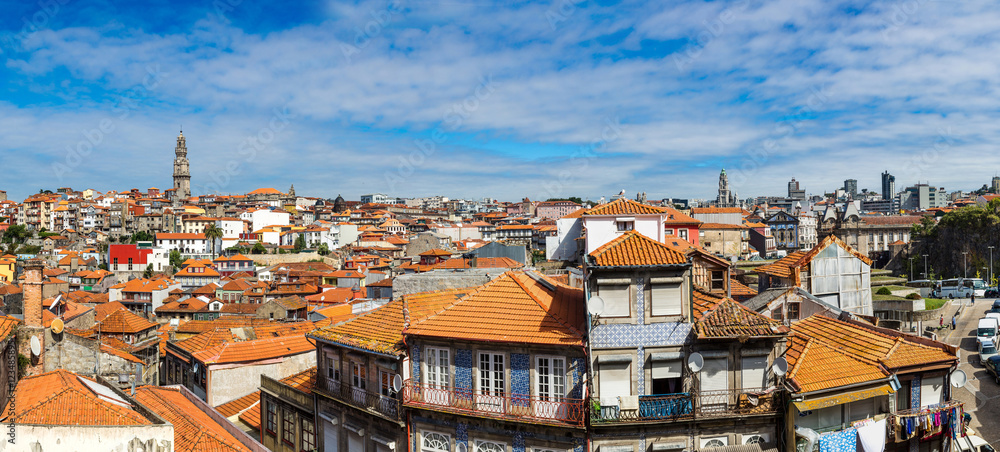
991 266
965 260
925 266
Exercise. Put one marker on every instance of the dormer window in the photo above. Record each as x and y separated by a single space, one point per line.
625 226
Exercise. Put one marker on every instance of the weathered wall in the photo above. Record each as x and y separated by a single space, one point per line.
144 438
440 280
271 259
226 385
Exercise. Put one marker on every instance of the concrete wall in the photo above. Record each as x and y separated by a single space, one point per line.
79 355
601 230
441 280
44 438
226 385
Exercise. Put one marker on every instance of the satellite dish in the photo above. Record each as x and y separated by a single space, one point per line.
397 383
57 326
959 378
36 346
780 367
595 305
696 362
461 447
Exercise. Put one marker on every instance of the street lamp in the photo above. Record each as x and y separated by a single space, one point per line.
965 260
925 265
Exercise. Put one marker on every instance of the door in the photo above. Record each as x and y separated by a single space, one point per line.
550 375
492 383
359 383
438 390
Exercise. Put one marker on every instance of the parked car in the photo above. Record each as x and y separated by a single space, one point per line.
973 443
991 365
992 292
987 349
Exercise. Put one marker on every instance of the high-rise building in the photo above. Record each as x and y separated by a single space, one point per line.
851 188
888 186
795 191
182 172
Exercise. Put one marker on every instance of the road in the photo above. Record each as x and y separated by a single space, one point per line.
980 394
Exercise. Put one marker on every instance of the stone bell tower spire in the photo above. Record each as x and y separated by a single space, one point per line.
182 174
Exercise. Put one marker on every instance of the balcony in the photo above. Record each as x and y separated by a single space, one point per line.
683 406
362 398
510 407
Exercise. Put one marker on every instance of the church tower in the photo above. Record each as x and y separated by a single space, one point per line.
182 173
726 197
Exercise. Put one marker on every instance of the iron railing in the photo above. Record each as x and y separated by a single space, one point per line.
688 405
384 405
514 407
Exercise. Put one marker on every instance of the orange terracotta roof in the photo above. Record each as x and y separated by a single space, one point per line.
708 226
103 310
710 210
815 366
194 430
251 416
436 252
186 305
624 206
676 217
738 289
871 345
120 353
781 268
513 308
304 381
7 325
239 405
633 249
381 330
62 398
124 322
718 317
265 191
255 350
481 262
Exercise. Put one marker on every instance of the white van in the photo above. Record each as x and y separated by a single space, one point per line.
987 327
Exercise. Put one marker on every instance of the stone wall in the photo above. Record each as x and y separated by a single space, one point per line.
75 438
271 259
442 280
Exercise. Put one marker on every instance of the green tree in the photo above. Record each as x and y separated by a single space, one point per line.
176 260
149 272
213 233
141 236
300 243
323 249
258 248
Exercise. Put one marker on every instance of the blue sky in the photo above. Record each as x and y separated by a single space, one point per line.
473 98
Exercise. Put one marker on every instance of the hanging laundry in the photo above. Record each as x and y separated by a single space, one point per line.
843 441
872 436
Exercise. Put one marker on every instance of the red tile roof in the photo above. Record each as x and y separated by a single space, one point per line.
239 405
255 350
633 249
62 398
381 330
719 317
624 206
124 322
513 308
194 430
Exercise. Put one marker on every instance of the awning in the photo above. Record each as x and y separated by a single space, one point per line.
614 359
843 398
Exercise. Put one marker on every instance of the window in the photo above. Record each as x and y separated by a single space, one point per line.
667 373
288 427
903 396
385 384
617 302
666 299
308 436
333 368
714 377
491 374
931 390
754 439
624 226
437 368
718 280
435 442
490 446
793 311
550 373
615 377
272 414
670 232
754 372
721 441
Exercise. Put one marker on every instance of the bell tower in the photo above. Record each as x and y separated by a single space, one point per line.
182 173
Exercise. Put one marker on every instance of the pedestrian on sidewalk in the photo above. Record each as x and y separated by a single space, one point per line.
973 299
953 321
941 322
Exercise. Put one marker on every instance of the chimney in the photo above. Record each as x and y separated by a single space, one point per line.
33 293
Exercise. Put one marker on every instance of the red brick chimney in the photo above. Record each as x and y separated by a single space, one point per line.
32 293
